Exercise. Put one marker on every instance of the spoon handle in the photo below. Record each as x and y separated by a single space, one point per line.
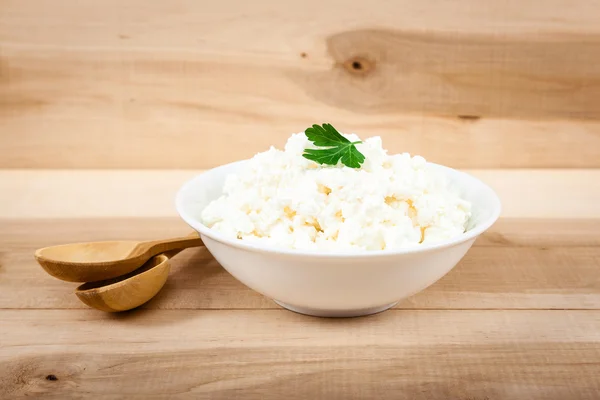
172 253
155 247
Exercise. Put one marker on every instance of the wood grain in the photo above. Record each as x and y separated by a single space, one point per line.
140 193
518 264
464 75
502 86
550 355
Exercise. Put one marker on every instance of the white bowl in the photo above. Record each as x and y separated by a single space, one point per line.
335 284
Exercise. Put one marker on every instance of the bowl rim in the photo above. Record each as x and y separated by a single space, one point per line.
261 248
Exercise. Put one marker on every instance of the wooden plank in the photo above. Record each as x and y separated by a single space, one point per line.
184 110
552 266
141 193
542 233
19 234
274 354
235 26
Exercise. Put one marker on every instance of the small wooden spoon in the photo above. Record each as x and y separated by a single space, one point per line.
130 290
97 261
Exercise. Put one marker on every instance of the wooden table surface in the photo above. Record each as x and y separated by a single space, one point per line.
106 108
519 317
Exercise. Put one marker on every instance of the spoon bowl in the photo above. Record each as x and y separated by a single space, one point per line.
128 291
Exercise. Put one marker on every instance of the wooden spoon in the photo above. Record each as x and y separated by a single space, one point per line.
130 290
96 261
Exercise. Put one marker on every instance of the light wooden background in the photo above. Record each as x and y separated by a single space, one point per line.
107 107
192 84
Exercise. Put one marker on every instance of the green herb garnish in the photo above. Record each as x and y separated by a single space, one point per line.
335 145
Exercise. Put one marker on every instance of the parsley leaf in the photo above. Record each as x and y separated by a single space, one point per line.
336 147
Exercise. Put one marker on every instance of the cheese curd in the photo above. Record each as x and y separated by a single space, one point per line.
282 199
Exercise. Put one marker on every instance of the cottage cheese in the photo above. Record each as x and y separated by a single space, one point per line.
282 199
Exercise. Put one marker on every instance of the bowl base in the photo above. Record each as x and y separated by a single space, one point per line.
315 312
